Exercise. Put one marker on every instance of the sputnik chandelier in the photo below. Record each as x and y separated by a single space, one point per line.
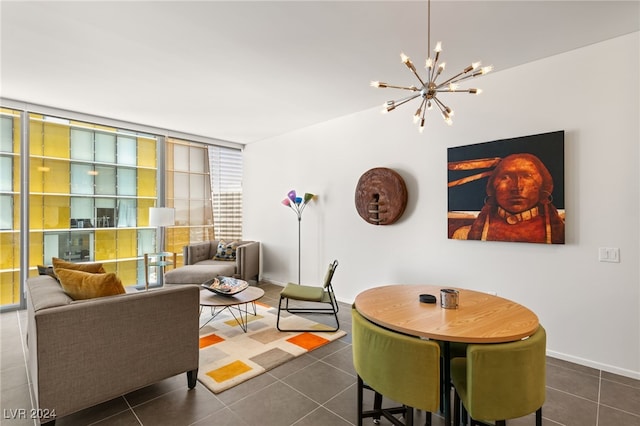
429 88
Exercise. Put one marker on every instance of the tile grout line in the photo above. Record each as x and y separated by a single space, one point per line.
306 396
620 410
572 394
335 397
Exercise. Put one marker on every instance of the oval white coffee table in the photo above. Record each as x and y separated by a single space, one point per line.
238 302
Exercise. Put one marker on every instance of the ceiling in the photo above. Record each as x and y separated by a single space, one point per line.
244 71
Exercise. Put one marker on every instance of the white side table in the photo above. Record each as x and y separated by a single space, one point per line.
160 260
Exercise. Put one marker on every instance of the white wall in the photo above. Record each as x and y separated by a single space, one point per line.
591 309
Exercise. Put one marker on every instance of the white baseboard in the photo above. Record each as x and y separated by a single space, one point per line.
270 281
597 365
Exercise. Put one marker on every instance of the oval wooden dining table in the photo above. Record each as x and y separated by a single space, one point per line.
479 318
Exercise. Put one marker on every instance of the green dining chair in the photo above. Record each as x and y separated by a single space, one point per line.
311 299
501 381
404 369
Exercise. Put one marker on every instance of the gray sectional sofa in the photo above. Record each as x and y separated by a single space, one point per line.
85 352
199 265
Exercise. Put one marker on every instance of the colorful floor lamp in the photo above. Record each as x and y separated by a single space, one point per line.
298 204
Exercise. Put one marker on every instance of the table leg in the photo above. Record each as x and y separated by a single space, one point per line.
214 314
447 383
146 271
242 322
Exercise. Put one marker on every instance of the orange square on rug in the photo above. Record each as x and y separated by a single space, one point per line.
209 340
308 341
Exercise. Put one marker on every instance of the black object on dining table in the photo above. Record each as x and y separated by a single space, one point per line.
428 298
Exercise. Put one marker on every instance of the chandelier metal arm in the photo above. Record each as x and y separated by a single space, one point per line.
434 65
407 61
445 110
482 71
405 100
472 91
423 107
420 112
430 71
453 79
391 86
435 77
440 105
391 105
413 70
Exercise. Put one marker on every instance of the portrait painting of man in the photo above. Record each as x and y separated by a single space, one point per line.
508 190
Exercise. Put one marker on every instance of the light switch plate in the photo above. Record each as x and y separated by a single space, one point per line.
609 254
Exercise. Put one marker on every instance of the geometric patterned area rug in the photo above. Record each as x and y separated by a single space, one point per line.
229 356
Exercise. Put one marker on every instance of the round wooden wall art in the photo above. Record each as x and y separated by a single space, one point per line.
381 196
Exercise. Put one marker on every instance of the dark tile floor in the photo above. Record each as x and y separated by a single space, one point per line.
315 389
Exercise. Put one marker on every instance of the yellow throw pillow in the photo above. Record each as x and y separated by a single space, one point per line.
85 285
94 268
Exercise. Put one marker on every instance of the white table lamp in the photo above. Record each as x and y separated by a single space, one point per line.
161 217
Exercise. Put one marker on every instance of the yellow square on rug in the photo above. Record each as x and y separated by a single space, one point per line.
229 356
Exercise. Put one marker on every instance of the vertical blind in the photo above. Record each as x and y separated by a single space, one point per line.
226 188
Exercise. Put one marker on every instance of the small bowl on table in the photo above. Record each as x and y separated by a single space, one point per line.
225 286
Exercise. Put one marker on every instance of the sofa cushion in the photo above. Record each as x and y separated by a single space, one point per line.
226 251
85 285
194 253
94 268
47 270
198 274
45 292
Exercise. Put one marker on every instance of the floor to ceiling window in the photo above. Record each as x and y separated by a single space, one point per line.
188 191
9 207
226 184
90 187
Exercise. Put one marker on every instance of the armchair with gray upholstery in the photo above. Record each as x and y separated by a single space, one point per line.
200 265
247 263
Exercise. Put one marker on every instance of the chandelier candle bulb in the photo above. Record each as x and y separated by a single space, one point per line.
429 63
416 116
438 49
